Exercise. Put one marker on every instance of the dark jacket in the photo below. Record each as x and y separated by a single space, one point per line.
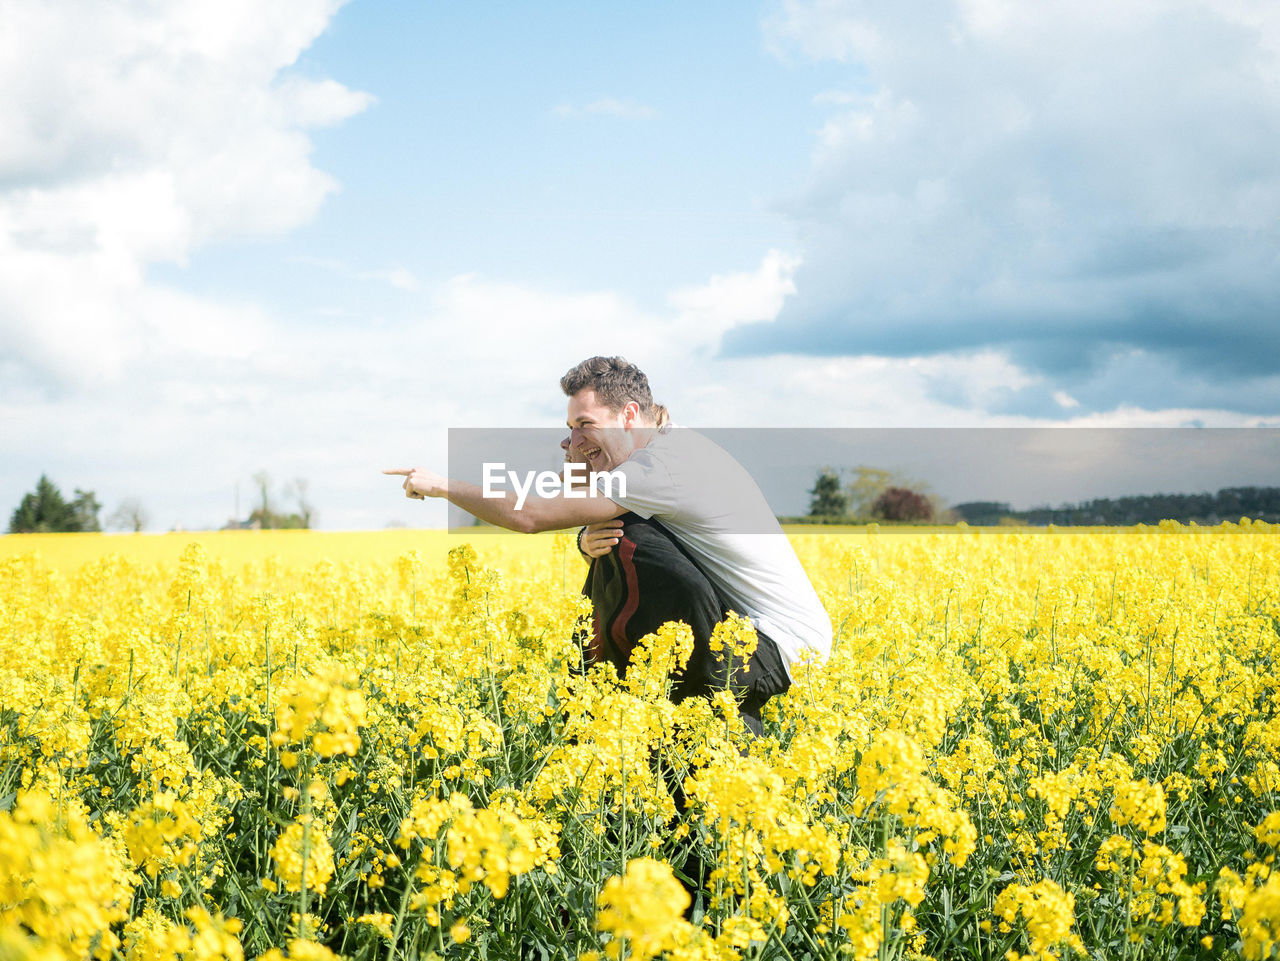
647 580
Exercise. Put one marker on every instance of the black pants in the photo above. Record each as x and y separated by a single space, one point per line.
647 580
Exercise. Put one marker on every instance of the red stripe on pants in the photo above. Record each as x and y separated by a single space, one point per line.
626 553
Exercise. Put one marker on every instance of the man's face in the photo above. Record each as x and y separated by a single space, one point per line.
601 438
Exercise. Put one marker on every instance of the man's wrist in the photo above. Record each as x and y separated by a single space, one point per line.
581 531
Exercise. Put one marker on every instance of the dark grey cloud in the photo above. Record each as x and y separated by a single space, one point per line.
1066 184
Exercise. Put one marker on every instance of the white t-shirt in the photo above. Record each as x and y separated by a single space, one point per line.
711 505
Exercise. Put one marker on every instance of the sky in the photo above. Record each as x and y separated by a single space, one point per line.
308 238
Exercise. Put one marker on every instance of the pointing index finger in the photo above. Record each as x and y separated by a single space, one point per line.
403 471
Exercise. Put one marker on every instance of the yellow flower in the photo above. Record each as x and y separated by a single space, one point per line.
1048 916
1260 921
288 861
1268 830
161 833
300 949
379 922
327 706
59 881
491 846
1141 804
645 907
214 937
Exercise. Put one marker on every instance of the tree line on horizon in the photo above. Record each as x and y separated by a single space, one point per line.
46 510
877 495
1228 504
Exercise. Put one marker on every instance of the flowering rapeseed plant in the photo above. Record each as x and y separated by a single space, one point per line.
1025 744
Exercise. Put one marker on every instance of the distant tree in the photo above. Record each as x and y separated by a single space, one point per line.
130 515
86 507
987 513
266 518
297 489
263 480
41 511
45 510
827 499
868 484
902 504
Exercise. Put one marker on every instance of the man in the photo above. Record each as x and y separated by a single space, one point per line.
726 550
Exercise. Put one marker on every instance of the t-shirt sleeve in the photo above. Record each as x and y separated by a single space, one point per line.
642 484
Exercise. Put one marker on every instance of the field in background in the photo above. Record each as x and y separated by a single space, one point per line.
67 552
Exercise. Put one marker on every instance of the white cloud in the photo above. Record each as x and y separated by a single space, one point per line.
607 107
401 278
135 133
841 98
317 103
799 391
727 300
1130 416
823 30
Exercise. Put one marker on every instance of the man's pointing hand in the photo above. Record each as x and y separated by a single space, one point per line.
420 483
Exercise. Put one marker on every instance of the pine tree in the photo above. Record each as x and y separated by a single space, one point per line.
828 499
45 510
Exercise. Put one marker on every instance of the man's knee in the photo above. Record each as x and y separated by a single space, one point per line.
767 678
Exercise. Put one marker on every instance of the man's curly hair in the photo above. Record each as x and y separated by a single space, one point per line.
616 382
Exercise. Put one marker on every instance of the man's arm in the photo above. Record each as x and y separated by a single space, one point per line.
534 515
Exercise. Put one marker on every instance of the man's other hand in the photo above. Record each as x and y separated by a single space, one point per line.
600 538
420 483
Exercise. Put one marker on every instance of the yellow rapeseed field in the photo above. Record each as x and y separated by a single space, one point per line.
298 745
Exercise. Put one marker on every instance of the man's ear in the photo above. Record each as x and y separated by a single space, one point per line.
630 414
